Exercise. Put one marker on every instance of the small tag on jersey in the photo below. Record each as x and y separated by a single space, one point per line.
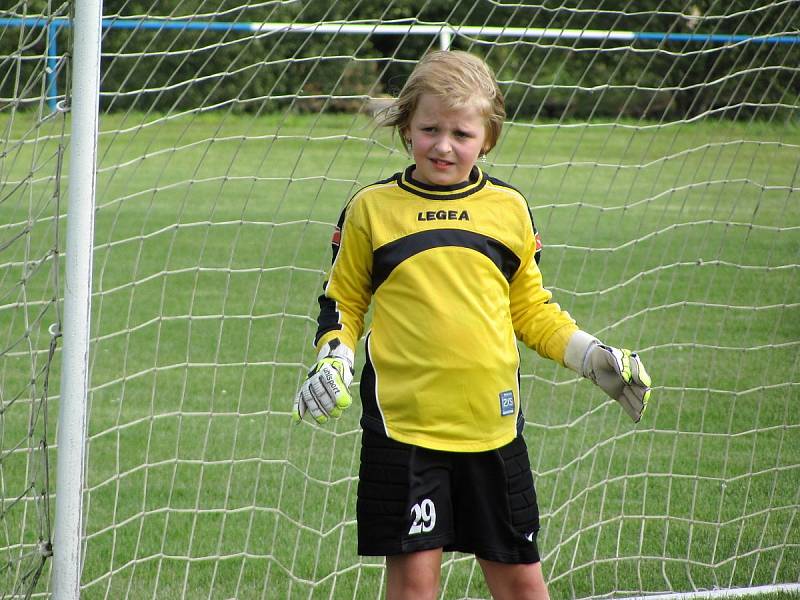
506 403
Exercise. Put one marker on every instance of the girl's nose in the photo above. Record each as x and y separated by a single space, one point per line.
442 144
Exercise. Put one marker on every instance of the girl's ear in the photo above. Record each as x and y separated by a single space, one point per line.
406 135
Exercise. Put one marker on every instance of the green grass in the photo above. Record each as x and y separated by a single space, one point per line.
211 244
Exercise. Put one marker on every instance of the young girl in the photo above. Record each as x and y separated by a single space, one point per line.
448 255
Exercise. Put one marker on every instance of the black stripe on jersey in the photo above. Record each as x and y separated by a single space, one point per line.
389 256
474 183
329 318
538 254
371 417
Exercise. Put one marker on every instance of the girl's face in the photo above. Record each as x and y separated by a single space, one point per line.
445 143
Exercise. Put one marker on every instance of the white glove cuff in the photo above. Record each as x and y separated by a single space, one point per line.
336 349
577 349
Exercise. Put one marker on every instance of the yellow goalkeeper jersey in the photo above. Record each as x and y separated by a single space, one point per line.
452 273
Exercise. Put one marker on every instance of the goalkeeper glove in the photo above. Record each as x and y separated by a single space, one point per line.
618 372
324 394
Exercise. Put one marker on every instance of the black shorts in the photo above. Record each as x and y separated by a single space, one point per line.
412 499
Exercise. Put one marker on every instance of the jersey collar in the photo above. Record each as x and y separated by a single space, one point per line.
475 182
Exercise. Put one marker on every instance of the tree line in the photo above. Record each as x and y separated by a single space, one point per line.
166 70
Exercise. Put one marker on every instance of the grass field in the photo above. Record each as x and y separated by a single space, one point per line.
211 244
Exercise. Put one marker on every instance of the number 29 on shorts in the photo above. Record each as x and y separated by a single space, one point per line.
423 517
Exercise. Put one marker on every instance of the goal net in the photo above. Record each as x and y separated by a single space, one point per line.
658 145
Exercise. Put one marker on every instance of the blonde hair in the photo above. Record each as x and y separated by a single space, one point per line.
459 79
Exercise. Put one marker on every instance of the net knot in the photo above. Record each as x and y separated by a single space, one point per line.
45 548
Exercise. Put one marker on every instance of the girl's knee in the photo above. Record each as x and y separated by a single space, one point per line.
515 582
413 576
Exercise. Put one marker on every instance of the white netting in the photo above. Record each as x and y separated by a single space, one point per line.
32 149
662 171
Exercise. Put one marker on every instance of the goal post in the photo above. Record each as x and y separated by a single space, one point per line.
658 146
76 323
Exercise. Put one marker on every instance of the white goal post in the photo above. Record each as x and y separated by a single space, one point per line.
163 242
76 323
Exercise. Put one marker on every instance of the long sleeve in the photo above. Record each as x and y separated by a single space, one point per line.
541 324
346 291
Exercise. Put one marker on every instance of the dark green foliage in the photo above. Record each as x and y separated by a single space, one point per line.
557 78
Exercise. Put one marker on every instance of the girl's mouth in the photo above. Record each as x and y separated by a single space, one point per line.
440 164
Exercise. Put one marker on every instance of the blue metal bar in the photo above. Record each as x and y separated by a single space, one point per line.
52 66
717 38
175 24
29 21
